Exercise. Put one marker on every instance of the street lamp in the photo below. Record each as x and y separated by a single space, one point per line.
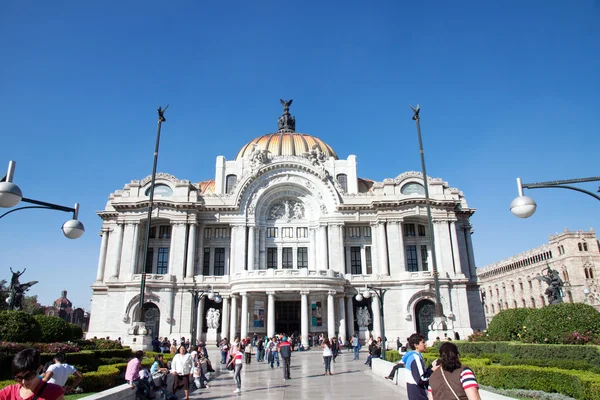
524 206
380 293
11 195
439 311
197 295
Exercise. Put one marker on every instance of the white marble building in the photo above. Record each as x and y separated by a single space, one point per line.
512 283
288 234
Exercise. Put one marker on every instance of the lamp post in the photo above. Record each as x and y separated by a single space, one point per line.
11 195
197 295
524 206
380 293
439 310
161 119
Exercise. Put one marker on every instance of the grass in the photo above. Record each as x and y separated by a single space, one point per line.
77 396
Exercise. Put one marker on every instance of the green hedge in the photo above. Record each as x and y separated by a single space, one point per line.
18 326
508 325
107 353
76 332
54 329
392 356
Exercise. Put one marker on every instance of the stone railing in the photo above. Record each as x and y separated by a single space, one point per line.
287 273
155 278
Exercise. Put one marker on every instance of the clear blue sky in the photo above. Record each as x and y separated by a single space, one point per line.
507 89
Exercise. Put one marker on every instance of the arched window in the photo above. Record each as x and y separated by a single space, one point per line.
570 296
579 246
532 302
486 309
515 304
343 181
493 309
524 303
230 183
591 274
521 285
585 246
587 275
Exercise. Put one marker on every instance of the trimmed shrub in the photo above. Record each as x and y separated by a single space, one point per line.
557 322
508 325
106 377
18 326
54 329
392 356
76 332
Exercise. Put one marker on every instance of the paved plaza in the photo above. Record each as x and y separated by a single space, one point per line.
350 380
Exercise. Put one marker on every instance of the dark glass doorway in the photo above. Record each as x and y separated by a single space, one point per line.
424 311
287 317
152 318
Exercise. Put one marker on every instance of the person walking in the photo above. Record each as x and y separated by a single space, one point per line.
285 349
452 380
417 376
334 348
327 356
59 372
355 346
260 350
224 347
273 353
236 360
181 368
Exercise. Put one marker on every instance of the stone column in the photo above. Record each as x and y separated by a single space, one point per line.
336 255
384 267
114 272
102 260
376 316
200 320
342 318
396 252
350 315
200 234
135 251
455 249
304 322
191 251
402 261
312 249
225 318
322 246
472 268
375 262
262 248
232 252
233 324
271 314
244 315
240 249
441 264
251 248
331 313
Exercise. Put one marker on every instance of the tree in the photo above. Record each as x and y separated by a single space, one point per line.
31 306
4 293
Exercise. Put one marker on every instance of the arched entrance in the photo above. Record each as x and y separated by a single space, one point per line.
425 311
151 318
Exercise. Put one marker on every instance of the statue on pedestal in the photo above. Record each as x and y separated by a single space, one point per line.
17 291
363 317
212 318
554 291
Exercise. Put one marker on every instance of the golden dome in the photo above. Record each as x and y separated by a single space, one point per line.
287 144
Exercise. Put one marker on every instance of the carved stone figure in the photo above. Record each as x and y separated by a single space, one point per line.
287 209
316 156
212 318
258 156
363 317
554 291
17 291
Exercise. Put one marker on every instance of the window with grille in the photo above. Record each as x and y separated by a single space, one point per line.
271 232
152 232
421 230
343 181
409 230
368 260
221 233
162 266
412 262
164 232
220 261
355 262
272 257
352 231
206 262
207 233
231 181
424 258
287 258
149 260
302 232
366 231
302 257
287 232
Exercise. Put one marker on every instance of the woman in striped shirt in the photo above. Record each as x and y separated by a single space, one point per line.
453 381
236 359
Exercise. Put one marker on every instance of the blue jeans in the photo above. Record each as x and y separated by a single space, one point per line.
274 355
327 363
355 348
223 357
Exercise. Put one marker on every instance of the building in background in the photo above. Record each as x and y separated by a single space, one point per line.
63 308
510 283
288 234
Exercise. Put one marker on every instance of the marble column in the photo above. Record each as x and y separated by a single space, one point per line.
251 248
240 249
191 251
233 325
102 260
376 316
271 314
232 262
225 318
441 264
114 272
472 268
312 249
135 251
322 246
262 248
457 267
200 320
336 255
200 264
375 268
342 318
396 253
331 313
304 321
350 315
244 315
402 261
384 267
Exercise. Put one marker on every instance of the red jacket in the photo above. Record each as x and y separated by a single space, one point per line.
285 349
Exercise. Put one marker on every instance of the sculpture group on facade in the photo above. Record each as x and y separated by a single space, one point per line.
17 290
287 209
363 317
258 156
554 291
212 318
